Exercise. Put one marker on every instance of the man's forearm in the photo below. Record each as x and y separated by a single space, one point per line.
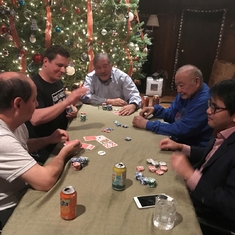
35 144
44 115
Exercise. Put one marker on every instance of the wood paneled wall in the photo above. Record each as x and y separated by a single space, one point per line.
165 37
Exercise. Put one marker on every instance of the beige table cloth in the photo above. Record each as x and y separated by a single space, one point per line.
102 210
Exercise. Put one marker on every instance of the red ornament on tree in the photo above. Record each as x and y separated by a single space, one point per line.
136 58
37 58
77 10
22 52
5 30
63 9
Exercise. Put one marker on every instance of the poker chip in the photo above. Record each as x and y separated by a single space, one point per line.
152 182
162 163
144 180
76 166
101 153
124 126
149 160
164 168
128 138
140 168
159 172
155 163
138 175
152 169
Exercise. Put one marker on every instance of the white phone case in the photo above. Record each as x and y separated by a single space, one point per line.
150 198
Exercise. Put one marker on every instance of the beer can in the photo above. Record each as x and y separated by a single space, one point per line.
145 101
119 176
156 100
68 203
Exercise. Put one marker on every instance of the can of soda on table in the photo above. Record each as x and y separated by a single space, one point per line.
156 100
119 176
68 203
145 101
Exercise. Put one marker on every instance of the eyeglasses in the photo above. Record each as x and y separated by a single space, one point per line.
214 108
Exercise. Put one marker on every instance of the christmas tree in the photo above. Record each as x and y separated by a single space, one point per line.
83 27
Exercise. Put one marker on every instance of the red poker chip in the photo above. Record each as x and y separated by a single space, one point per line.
164 168
152 169
76 166
140 168
159 172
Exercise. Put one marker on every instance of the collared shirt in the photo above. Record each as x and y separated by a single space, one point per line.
220 137
120 85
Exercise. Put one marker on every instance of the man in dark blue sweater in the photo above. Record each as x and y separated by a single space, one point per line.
186 119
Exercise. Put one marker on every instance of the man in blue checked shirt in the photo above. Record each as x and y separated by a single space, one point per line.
110 85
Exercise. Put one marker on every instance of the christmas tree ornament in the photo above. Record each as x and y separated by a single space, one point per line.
131 45
103 31
5 53
5 30
70 70
22 3
63 9
114 33
32 39
145 50
58 29
12 12
84 56
37 58
34 25
136 58
115 49
121 17
134 70
100 43
127 16
77 10
22 52
137 47
8 38
130 16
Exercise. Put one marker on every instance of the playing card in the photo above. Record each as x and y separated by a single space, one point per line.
89 138
116 112
107 143
87 146
69 142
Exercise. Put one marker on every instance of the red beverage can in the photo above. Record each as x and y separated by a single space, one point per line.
156 100
68 203
145 101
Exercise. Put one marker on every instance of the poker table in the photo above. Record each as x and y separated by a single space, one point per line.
100 209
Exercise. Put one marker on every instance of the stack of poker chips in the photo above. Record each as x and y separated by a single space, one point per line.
118 124
151 182
83 116
109 107
104 106
79 163
157 167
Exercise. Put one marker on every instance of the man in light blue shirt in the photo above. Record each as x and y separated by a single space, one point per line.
111 86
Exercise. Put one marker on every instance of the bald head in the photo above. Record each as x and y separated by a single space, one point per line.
192 71
12 85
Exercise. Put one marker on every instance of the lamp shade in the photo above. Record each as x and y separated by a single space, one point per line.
153 21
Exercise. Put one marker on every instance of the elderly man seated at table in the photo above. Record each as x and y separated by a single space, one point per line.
186 119
110 85
212 180
17 168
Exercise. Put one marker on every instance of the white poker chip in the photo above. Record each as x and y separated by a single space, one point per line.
101 153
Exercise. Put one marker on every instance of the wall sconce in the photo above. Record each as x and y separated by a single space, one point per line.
152 22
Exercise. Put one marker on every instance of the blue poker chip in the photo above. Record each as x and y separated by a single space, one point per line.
128 138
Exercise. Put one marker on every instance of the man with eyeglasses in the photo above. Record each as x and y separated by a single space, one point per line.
185 120
211 181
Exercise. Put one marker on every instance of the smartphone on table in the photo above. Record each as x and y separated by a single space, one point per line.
148 201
